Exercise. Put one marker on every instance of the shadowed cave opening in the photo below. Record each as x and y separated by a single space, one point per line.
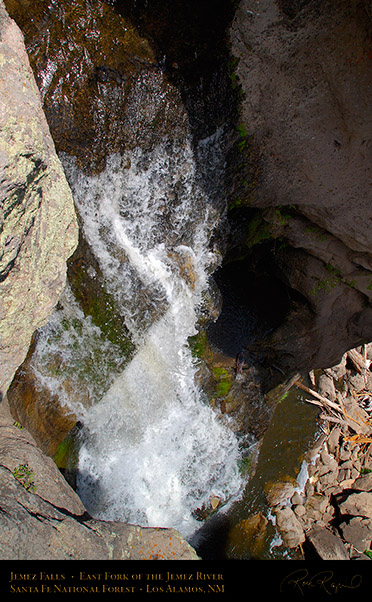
254 301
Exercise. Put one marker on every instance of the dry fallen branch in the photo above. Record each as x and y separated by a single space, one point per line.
360 364
359 439
351 412
333 419
324 400
336 412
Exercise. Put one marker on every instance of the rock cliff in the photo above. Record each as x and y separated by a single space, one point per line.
42 518
304 73
38 223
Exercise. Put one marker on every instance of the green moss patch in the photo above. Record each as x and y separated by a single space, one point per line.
199 344
25 476
223 380
66 456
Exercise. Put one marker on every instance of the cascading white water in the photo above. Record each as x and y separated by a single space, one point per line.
153 451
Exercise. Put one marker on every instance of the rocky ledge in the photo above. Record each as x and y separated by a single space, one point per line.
42 518
330 515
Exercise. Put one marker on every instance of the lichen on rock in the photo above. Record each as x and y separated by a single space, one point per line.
39 227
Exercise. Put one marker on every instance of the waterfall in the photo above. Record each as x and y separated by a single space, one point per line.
153 451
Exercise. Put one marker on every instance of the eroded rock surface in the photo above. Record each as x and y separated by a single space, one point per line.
38 224
305 77
42 518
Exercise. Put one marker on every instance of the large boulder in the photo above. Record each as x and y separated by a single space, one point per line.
358 504
327 544
33 529
38 224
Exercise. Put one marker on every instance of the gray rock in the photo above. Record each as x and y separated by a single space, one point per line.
356 450
312 470
329 514
33 529
333 440
356 382
338 371
367 461
289 527
331 489
357 504
345 453
279 492
296 499
326 386
327 480
317 503
38 230
328 545
346 465
328 464
299 510
17 448
346 484
309 488
357 465
344 474
358 556
354 473
358 531
363 483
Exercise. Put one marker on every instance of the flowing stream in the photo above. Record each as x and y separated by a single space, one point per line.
152 450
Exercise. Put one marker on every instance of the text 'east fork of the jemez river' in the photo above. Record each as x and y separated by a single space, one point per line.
115 583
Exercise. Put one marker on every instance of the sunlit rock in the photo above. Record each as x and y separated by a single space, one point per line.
39 228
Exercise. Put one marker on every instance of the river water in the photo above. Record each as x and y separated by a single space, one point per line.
152 450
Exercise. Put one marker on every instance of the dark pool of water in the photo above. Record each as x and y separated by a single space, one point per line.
292 430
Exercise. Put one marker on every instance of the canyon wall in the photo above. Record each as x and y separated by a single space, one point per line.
304 73
38 223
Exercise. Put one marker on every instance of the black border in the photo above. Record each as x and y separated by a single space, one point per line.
191 580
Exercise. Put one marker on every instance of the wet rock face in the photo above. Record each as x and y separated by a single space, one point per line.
190 41
38 228
103 90
38 410
304 72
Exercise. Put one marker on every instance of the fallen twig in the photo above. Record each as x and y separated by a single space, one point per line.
333 419
324 400
356 358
